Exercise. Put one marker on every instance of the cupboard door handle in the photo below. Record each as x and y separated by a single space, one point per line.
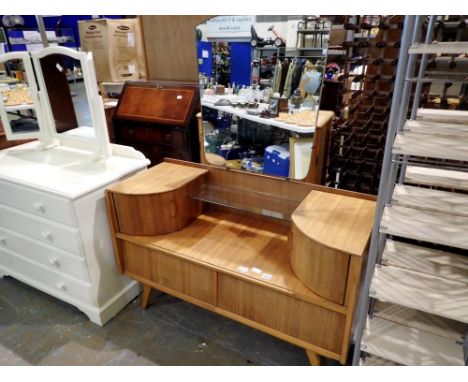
61 286
38 206
54 261
47 235
2 240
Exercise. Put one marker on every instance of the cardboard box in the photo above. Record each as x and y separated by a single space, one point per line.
117 47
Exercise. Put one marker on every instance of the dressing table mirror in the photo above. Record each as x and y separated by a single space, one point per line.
75 117
260 82
20 109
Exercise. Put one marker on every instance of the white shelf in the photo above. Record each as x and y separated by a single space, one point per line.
241 113
437 177
447 116
416 319
445 298
439 48
425 260
430 200
409 346
435 128
432 227
453 147
20 107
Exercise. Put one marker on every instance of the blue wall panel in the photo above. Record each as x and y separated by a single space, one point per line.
241 61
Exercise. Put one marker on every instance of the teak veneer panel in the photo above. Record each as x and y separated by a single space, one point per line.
308 322
322 269
168 185
179 275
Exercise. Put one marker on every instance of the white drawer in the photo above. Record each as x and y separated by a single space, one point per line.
37 202
44 279
44 254
45 231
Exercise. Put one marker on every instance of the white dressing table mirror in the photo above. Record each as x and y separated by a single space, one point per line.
20 110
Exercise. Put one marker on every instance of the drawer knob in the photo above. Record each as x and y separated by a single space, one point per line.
61 286
2 240
54 261
47 235
38 206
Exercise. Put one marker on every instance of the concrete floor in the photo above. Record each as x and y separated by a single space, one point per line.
37 329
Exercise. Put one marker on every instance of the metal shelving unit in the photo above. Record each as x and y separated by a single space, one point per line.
414 307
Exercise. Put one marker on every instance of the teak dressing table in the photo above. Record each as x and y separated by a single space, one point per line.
281 256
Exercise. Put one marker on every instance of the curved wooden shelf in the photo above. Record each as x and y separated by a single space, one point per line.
166 184
327 229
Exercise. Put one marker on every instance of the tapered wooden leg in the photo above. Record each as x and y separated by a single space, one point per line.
145 296
314 359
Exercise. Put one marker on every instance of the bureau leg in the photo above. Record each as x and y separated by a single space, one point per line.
314 358
145 296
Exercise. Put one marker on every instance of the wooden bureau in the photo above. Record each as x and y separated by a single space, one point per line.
158 119
282 256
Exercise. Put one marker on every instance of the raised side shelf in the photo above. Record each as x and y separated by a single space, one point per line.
433 227
437 177
424 260
445 298
409 346
435 128
453 147
416 319
430 200
439 48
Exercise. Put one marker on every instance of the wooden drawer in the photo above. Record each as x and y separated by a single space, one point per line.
152 135
37 202
46 255
297 318
42 278
45 231
169 271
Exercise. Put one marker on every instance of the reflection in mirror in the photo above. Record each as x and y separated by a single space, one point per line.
19 114
261 81
66 90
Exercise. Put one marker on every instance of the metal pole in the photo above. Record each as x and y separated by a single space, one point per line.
42 31
383 184
422 68
405 103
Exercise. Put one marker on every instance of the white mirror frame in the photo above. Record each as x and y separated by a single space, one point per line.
35 96
100 144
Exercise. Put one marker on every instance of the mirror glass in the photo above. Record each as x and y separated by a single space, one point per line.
19 112
65 85
260 82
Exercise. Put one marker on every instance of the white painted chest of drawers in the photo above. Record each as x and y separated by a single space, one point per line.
54 232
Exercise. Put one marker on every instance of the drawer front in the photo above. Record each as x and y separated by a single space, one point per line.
169 271
43 230
44 279
46 255
297 318
37 203
153 135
